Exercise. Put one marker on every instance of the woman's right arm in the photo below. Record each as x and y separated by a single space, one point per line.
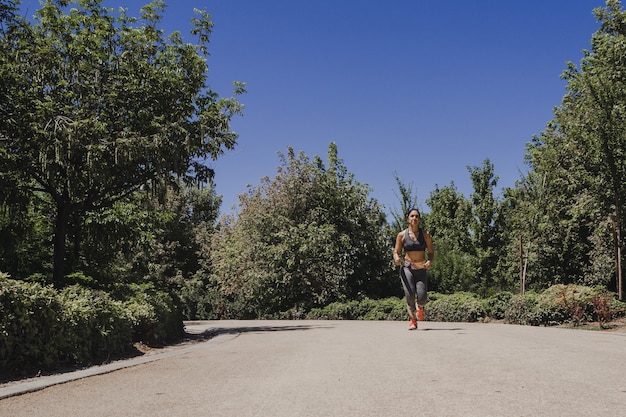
397 251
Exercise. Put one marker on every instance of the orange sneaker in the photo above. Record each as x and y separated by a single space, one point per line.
412 324
420 313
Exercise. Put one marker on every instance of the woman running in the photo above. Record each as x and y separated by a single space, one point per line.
415 242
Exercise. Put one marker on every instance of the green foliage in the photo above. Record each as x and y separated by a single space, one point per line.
449 222
522 309
95 326
561 304
99 104
453 270
496 305
30 327
42 329
577 181
484 227
367 309
198 300
307 238
155 317
458 307
25 228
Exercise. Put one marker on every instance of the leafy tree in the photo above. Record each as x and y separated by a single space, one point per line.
593 112
156 235
486 247
555 212
408 200
98 105
449 222
580 161
25 231
306 238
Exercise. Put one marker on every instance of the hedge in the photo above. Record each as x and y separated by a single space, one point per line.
42 329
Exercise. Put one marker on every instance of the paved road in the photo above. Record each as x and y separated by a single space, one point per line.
351 368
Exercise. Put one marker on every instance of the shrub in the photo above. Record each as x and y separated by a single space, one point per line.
42 329
458 307
496 305
333 311
384 309
522 309
618 308
565 303
155 317
606 306
391 308
561 304
29 326
95 326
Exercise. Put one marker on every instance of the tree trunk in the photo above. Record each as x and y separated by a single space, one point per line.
618 258
60 233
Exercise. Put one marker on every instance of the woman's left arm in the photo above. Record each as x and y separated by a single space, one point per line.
430 248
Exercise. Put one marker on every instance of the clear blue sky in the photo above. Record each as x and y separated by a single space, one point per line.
423 88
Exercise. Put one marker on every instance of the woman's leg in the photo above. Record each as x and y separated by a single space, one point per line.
408 284
421 290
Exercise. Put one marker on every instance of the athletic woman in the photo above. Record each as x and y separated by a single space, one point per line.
415 243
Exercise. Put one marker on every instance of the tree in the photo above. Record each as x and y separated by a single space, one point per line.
486 247
556 212
98 105
305 238
408 200
592 116
448 222
156 235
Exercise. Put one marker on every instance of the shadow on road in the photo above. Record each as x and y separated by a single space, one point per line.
450 329
215 331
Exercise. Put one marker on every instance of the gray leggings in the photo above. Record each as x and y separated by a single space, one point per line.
415 284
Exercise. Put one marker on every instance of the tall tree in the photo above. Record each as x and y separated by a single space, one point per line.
408 200
98 105
307 237
483 225
593 112
449 224
556 210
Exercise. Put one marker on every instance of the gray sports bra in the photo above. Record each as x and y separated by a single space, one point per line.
411 245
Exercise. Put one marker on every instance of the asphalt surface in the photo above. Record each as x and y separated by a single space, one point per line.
347 368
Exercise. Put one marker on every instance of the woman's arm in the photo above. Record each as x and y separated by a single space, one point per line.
397 251
430 248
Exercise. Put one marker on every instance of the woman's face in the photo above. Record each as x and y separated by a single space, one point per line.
414 217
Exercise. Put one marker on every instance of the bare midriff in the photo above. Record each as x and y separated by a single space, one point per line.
417 258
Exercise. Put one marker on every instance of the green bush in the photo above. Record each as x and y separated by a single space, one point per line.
496 305
29 325
333 311
561 304
42 329
367 309
95 327
565 303
155 317
618 308
457 307
522 309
